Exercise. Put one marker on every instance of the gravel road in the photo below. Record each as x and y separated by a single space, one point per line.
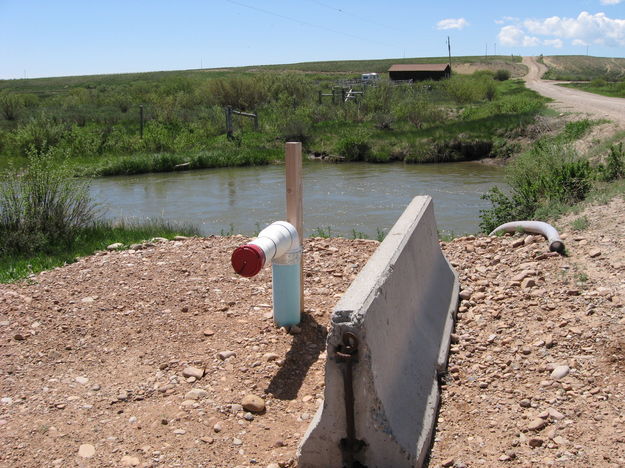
573 100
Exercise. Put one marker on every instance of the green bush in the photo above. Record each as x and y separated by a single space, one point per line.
551 174
615 165
41 207
10 105
354 147
502 75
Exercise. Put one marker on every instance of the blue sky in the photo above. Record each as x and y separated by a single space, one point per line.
58 38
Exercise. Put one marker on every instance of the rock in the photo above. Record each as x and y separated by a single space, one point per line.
555 414
517 243
82 380
87 300
223 355
248 417
196 394
530 240
137 246
193 372
180 431
465 294
528 283
273 465
159 239
536 424
448 462
6 400
295 330
560 440
253 403
181 238
127 460
132 419
86 451
594 253
560 372
217 427
270 357
95 387
525 403
236 441
19 337
115 246
535 442
208 332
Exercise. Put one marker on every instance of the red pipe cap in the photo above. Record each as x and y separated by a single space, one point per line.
248 260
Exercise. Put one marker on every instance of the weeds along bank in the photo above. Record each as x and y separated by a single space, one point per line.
47 219
94 124
551 178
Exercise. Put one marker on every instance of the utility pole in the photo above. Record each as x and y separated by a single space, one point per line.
449 50
495 53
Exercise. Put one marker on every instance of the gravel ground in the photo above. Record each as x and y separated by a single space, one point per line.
98 358
163 357
536 374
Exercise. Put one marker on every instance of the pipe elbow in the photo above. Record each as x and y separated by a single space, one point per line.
535 227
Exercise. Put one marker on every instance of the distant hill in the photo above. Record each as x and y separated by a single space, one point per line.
60 85
583 68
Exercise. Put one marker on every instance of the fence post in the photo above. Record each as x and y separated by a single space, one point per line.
320 96
229 122
294 204
141 121
256 120
342 95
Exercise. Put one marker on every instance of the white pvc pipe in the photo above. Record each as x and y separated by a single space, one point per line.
276 240
535 227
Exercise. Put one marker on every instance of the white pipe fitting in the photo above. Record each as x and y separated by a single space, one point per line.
273 242
535 227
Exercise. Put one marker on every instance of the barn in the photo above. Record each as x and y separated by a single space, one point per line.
419 71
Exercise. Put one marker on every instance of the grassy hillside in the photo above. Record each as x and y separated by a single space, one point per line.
583 68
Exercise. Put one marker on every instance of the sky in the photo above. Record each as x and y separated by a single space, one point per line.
62 37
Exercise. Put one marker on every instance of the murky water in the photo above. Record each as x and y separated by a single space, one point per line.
348 198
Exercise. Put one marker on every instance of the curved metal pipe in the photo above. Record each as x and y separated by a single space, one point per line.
535 227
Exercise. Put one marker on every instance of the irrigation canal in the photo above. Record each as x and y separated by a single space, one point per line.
349 198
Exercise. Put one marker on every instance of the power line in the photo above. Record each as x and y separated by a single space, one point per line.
306 23
360 18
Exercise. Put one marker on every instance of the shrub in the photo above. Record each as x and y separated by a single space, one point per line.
38 134
10 105
615 165
502 75
551 174
42 207
354 147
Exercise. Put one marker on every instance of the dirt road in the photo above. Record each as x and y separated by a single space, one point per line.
573 100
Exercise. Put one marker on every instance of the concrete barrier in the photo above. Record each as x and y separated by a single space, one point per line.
400 308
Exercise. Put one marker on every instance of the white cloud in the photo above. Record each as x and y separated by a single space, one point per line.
610 2
514 36
557 43
452 23
583 30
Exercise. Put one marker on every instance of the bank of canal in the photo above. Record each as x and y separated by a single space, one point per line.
349 198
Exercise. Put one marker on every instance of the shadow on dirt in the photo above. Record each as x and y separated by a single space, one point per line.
304 351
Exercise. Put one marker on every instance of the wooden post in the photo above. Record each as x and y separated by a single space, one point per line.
141 121
320 92
294 204
229 122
